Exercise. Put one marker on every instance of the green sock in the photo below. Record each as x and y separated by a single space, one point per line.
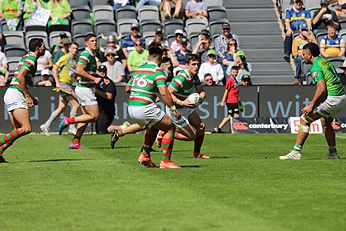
332 149
297 148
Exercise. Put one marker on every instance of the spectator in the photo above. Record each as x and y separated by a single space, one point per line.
168 7
45 61
128 43
112 42
182 54
231 99
62 48
29 7
4 74
222 41
202 47
340 9
168 63
246 80
212 67
230 55
159 39
208 80
138 57
299 41
60 11
332 45
115 70
147 2
11 10
176 44
117 4
324 17
44 81
294 17
196 9
244 67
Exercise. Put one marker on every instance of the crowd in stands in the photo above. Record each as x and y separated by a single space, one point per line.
124 32
321 26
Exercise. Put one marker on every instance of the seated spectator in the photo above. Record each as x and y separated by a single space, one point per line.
117 4
4 73
45 81
212 67
244 67
229 56
45 61
246 80
196 9
340 9
159 39
202 47
332 45
137 57
128 43
208 80
168 63
62 48
11 10
112 42
60 11
176 44
169 7
221 42
294 17
147 2
182 54
29 7
324 17
115 70
299 41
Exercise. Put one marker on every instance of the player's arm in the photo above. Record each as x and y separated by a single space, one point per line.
55 75
167 99
21 80
103 94
320 91
80 71
200 90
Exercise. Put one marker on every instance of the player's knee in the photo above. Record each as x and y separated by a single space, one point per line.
201 126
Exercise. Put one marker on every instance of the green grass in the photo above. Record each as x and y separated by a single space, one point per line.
243 187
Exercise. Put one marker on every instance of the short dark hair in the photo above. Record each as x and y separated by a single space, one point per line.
192 57
155 51
74 43
313 48
89 36
235 68
35 43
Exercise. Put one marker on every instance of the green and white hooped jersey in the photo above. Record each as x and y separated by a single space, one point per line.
184 84
144 84
88 59
323 69
29 62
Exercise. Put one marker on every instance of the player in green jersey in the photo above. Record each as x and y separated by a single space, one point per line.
18 98
330 90
189 126
87 79
145 85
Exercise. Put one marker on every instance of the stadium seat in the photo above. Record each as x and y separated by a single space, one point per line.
60 28
81 12
78 3
14 51
337 62
342 23
170 38
148 12
105 27
80 39
319 37
170 26
150 25
215 27
216 13
126 12
54 37
148 36
94 3
193 40
101 42
36 34
12 63
35 28
81 26
103 13
124 25
14 38
194 25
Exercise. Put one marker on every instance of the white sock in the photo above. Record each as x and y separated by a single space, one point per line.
72 126
51 119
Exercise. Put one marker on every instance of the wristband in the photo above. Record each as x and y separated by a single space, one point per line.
173 108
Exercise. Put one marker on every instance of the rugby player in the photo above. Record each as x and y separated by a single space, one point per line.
329 91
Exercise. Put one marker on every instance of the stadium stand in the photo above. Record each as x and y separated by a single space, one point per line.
148 12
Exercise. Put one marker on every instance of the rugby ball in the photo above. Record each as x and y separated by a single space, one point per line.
194 98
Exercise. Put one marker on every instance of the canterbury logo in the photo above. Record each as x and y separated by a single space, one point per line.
240 126
336 125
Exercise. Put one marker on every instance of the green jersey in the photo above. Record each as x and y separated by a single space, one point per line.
29 62
88 59
144 83
184 84
323 69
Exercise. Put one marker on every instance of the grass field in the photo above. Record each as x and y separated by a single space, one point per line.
243 187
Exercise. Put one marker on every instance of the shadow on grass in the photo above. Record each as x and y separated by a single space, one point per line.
190 166
54 160
105 148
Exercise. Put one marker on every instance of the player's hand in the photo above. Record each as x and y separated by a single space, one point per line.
222 104
57 85
188 104
307 109
29 100
177 114
97 80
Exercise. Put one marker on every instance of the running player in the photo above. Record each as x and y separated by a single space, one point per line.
328 84
18 98
86 71
67 66
144 86
180 88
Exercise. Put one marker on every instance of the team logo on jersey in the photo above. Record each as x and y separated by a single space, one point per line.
314 75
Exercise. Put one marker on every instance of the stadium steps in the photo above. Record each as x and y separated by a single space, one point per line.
257 25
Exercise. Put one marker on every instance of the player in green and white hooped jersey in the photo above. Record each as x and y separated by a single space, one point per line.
18 98
86 71
190 126
328 84
144 86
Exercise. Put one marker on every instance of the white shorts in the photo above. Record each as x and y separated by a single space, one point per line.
86 96
146 115
331 106
14 99
185 113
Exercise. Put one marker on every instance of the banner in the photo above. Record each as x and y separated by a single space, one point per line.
260 125
39 16
315 127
